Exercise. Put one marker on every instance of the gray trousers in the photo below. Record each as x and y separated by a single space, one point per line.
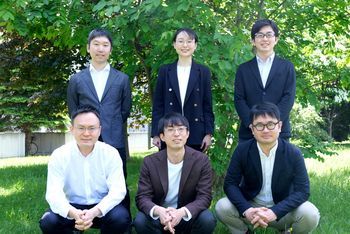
303 219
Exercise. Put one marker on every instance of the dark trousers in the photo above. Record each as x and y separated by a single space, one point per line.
204 223
115 221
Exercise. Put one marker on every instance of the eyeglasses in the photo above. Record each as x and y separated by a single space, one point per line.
89 129
183 42
180 130
260 35
269 126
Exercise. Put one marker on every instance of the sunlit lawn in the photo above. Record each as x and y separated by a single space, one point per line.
23 182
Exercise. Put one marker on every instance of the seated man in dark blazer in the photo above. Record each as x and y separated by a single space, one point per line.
267 184
174 191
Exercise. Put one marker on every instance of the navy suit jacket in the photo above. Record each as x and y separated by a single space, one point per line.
198 100
195 183
114 106
279 89
290 182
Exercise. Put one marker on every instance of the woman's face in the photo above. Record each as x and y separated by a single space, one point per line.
184 45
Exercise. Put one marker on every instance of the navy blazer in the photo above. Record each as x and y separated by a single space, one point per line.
290 182
279 89
198 100
114 106
195 183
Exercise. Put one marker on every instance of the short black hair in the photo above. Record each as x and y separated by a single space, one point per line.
264 109
85 109
100 32
192 34
262 23
172 119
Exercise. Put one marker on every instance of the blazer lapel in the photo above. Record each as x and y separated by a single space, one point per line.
194 76
279 161
172 74
112 75
274 68
255 70
255 160
90 83
163 170
186 169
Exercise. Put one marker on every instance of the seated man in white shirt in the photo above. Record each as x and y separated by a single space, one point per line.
174 191
85 182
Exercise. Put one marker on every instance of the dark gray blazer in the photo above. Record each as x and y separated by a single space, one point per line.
114 107
290 181
195 183
279 89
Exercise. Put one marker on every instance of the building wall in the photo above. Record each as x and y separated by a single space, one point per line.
12 144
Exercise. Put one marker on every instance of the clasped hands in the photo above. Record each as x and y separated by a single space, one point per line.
260 216
83 218
170 217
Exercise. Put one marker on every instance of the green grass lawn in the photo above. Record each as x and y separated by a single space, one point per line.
23 182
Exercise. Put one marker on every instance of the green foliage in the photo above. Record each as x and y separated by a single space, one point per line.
308 134
142 31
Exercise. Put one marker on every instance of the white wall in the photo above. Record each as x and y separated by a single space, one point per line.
12 144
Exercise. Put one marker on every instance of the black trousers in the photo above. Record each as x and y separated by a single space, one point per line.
116 220
204 223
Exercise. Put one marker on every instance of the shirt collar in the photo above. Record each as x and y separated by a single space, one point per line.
105 69
268 60
272 150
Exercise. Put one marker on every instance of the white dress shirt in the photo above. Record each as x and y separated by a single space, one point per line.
99 78
86 180
183 76
264 197
265 67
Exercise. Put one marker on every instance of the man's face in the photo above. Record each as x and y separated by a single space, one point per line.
86 129
175 137
99 48
265 40
266 129
184 45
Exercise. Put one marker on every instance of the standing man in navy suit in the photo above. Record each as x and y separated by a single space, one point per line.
185 87
266 77
104 88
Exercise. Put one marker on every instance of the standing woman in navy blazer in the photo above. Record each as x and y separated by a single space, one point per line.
185 87
266 77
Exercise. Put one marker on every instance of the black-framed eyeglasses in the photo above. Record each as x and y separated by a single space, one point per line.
260 35
269 126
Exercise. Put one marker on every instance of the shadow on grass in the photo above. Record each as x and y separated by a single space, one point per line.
22 198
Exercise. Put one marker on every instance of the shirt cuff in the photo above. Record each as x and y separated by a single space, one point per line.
189 215
151 213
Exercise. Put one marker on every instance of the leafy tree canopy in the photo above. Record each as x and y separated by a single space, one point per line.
314 36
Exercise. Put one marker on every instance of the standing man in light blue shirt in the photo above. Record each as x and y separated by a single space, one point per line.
266 77
85 182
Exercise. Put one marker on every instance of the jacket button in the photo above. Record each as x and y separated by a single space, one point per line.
170 103
196 119
195 104
170 89
198 89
